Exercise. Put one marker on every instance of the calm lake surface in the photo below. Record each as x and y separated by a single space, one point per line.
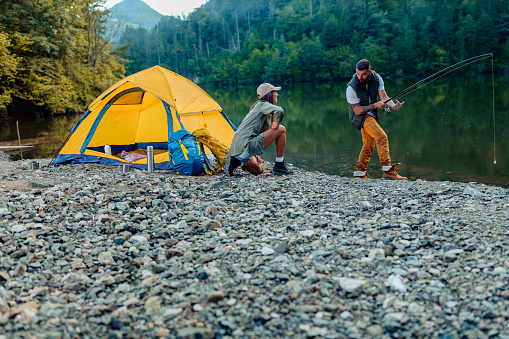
445 131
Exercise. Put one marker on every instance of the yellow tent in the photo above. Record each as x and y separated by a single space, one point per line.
141 110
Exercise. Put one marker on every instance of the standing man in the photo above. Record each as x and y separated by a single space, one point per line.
361 93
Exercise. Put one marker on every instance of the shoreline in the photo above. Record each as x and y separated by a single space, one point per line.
87 251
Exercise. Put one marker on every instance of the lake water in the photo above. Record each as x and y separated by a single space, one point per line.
444 132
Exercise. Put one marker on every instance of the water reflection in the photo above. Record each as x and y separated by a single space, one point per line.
444 131
45 133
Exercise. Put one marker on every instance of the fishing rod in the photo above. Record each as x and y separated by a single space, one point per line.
446 71
438 75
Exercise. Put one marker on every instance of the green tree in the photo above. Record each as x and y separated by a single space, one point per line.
312 60
49 40
8 69
331 32
276 67
342 62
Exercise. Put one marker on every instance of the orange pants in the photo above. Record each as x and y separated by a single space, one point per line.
373 134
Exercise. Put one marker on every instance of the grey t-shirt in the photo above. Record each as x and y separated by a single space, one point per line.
253 123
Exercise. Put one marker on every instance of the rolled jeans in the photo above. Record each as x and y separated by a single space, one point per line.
373 134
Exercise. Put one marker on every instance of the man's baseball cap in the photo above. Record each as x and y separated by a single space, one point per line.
265 88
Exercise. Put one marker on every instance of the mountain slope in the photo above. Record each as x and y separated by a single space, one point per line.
135 12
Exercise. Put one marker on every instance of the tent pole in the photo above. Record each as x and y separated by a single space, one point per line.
54 157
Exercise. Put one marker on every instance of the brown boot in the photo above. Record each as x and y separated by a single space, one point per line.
360 174
390 173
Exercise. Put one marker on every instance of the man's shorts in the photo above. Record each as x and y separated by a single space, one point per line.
255 145
244 157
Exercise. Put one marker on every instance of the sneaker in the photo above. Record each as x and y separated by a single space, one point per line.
281 168
231 165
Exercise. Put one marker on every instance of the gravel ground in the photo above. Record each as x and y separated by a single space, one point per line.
89 252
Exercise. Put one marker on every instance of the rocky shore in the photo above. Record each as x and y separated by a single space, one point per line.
89 252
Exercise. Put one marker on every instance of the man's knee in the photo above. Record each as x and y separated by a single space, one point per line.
282 129
368 149
382 138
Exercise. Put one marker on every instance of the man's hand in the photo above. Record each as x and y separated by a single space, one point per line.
380 104
275 125
398 105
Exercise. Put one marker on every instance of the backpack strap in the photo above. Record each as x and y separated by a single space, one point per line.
184 149
209 169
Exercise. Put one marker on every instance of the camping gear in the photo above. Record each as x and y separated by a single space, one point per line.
125 168
185 154
150 159
143 109
218 149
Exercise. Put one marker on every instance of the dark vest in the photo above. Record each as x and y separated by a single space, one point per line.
364 94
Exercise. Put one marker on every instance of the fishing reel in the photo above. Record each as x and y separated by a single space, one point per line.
387 110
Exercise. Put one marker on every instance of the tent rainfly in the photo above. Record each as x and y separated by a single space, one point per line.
142 110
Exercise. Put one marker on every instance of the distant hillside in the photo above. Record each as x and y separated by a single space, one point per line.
133 13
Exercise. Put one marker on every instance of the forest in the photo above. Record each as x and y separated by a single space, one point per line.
240 41
55 57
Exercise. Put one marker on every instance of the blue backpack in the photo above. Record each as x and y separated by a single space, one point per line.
185 154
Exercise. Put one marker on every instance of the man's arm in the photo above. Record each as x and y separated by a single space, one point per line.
384 97
360 110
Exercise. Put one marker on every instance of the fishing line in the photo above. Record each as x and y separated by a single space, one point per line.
444 72
440 74
494 134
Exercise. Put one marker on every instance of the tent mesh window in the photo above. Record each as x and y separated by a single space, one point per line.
133 98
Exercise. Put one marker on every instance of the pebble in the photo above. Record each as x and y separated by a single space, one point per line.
471 191
105 258
267 251
138 239
87 250
215 297
350 285
395 282
18 228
